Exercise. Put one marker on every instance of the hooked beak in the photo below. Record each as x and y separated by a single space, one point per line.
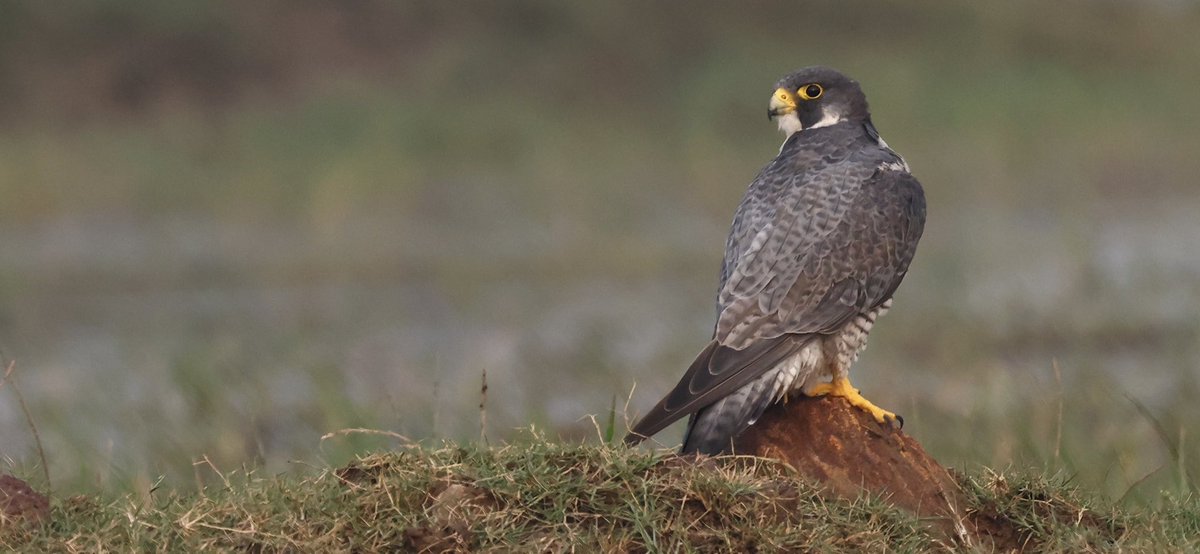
783 102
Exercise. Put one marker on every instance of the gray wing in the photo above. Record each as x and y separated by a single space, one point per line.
800 260
836 247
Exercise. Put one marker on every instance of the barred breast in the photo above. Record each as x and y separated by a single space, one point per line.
825 358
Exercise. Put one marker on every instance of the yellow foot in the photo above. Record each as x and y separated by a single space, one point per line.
841 387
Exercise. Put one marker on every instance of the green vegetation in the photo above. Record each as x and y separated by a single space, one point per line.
554 497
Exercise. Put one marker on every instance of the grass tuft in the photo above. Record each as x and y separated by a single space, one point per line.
546 495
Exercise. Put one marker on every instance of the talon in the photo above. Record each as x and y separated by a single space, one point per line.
841 387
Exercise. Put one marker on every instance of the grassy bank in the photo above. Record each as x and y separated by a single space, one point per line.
559 497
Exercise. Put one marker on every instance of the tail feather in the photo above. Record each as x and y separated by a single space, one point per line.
712 429
719 371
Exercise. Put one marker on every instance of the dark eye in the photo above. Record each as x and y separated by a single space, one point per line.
810 92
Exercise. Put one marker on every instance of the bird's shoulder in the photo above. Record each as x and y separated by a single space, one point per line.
820 169
847 153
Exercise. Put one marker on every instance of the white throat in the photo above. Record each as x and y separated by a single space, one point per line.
789 124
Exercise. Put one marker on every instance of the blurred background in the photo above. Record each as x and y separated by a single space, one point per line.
229 228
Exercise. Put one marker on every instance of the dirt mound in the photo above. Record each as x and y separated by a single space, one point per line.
846 450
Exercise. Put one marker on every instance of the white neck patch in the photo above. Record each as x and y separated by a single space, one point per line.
790 123
828 118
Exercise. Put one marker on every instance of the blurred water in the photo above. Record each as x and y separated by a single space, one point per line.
256 339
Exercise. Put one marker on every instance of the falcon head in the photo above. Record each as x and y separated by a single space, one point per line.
816 96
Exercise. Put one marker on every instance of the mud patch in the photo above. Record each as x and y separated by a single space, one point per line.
19 502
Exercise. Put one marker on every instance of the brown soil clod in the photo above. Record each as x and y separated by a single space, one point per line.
18 501
452 508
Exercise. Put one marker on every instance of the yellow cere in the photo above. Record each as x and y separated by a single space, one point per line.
785 97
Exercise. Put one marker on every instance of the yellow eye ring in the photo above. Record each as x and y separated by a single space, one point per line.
810 91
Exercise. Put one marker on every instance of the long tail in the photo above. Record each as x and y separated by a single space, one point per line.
717 373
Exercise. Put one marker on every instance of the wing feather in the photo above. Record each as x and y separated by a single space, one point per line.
847 263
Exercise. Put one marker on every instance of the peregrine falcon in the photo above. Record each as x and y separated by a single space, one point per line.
819 243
